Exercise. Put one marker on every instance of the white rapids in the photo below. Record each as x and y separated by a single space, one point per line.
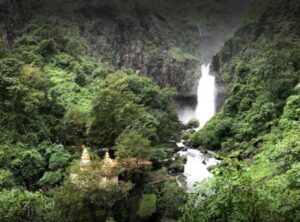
196 167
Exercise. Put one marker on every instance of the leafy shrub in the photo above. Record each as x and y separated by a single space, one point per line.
100 72
74 125
50 179
169 197
63 60
147 206
214 133
292 109
3 51
4 158
17 205
193 123
186 135
287 150
28 166
80 79
157 156
6 179
9 67
47 47
132 144
59 159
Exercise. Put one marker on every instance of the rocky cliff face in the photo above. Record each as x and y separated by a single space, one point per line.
264 23
144 43
243 37
12 18
167 40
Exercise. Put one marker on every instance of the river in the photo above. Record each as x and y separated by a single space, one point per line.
196 167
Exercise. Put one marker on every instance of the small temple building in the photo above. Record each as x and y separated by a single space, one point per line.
108 168
85 160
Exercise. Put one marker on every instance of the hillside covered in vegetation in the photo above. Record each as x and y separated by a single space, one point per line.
258 72
88 127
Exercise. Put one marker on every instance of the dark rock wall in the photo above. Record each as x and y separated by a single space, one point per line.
167 40
231 48
136 38
13 15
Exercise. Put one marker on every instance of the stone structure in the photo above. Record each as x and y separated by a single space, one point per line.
109 169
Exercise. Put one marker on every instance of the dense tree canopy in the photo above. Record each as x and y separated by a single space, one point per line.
127 101
56 96
52 92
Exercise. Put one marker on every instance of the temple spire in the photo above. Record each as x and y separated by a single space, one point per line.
107 160
85 158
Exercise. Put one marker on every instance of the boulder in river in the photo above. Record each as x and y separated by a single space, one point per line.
203 150
176 167
169 161
181 159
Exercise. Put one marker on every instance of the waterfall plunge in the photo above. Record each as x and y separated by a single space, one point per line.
206 96
195 169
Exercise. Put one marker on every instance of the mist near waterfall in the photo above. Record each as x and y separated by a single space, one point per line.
203 107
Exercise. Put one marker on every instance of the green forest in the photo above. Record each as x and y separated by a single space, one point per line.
86 135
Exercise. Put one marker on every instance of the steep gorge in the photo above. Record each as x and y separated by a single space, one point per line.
166 40
66 80
265 25
256 71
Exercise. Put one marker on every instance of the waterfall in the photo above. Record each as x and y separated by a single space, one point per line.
196 167
206 96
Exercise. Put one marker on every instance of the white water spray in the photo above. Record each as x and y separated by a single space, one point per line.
196 167
206 96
